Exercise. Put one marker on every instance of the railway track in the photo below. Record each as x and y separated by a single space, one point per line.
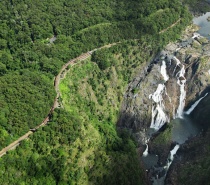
57 79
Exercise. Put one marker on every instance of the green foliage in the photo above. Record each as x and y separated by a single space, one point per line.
103 58
77 154
200 6
78 26
25 101
93 94
134 90
80 145
165 137
195 162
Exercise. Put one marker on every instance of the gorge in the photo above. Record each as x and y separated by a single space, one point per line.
133 113
180 74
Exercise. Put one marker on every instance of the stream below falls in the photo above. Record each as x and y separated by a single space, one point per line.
183 129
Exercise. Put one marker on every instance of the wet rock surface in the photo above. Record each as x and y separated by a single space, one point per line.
193 52
136 108
191 158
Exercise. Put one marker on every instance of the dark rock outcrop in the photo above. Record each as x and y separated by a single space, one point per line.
136 108
190 162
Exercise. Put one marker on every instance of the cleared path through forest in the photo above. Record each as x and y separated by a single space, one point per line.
174 24
57 79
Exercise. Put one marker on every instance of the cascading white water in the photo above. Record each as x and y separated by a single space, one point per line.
195 104
177 64
146 151
157 95
160 114
159 117
159 180
171 157
163 71
181 82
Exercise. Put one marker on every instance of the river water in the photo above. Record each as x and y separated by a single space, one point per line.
183 127
204 25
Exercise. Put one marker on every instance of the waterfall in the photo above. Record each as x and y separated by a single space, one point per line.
195 104
181 82
159 117
171 157
157 95
159 179
146 151
177 64
163 71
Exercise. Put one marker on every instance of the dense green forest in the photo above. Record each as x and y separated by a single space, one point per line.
198 164
198 6
80 145
79 26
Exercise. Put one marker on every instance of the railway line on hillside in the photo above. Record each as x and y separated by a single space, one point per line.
57 79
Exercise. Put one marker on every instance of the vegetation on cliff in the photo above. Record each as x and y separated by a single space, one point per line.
27 26
80 145
192 165
198 6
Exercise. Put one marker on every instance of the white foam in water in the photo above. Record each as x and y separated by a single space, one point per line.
196 35
177 64
171 158
160 180
146 151
159 117
157 95
195 104
163 71
177 61
181 82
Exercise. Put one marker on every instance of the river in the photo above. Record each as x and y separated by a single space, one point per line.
183 127
204 25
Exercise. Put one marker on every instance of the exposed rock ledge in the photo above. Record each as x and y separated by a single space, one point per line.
194 53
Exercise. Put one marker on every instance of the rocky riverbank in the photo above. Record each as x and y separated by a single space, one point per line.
190 56
193 51
191 164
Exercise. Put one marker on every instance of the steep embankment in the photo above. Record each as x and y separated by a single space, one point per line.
191 165
56 102
176 77
193 161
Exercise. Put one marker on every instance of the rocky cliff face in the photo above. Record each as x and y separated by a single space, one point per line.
177 77
192 161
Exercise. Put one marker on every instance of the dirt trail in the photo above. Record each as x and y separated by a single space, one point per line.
56 104
15 143
174 24
57 79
